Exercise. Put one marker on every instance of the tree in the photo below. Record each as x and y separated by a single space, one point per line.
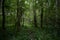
34 11
20 11
58 17
0 3
40 2
3 21
41 13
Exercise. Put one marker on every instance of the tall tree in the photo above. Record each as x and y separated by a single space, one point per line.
18 16
20 11
58 17
41 13
35 18
3 15
40 2
0 3
34 11
3 21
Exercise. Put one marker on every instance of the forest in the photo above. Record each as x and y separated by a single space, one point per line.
29 19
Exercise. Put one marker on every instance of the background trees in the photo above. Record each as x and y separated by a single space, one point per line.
26 18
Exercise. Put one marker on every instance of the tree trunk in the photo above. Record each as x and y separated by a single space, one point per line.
58 18
0 2
19 15
3 21
35 19
34 12
42 14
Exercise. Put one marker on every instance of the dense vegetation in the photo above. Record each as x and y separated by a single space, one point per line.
29 19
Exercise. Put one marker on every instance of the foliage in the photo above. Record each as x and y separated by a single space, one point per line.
51 25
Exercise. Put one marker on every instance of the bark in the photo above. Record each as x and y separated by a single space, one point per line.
0 3
41 14
3 15
58 18
19 15
58 3
35 19
34 11
3 21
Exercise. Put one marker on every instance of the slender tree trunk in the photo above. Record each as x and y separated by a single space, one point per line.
42 14
34 11
35 19
3 15
3 21
0 2
19 15
58 18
